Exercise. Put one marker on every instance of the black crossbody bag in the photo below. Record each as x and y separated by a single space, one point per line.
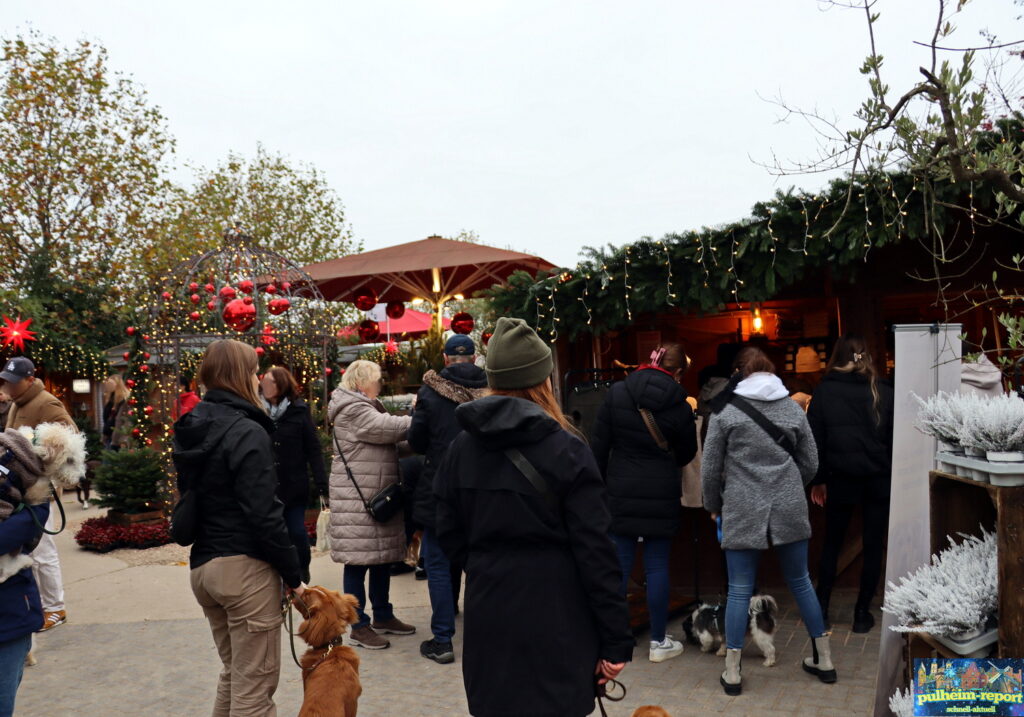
386 503
773 431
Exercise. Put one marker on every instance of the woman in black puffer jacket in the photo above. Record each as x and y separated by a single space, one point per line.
297 452
643 479
851 415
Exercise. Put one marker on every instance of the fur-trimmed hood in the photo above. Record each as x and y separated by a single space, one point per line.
451 385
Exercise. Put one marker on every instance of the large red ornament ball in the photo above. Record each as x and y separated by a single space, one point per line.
286 285
227 293
193 287
126 355
260 351
278 306
147 410
366 300
247 299
145 338
144 368
130 383
328 371
239 315
132 402
210 289
462 323
194 298
167 296
211 305
246 286
130 330
368 331
136 432
486 337
194 315
395 310
146 355
270 289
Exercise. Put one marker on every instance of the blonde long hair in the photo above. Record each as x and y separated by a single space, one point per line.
230 366
543 396
120 393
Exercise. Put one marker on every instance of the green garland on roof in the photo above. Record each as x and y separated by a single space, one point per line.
750 260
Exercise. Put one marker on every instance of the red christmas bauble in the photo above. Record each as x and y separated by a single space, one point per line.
486 337
193 287
239 315
328 371
286 285
260 351
194 315
147 410
227 293
130 330
132 402
395 310
247 299
145 338
131 411
366 300
278 306
210 289
130 383
146 355
246 286
136 432
270 289
167 296
194 298
368 331
126 355
211 305
144 368
462 323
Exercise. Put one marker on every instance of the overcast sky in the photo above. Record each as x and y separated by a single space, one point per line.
544 126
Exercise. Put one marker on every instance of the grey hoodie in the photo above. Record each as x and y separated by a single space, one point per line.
754 483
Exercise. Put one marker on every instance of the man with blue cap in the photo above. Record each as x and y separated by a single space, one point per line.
432 430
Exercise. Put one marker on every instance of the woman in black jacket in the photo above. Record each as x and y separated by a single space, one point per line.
242 551
851 415
643 477
544 616
297 452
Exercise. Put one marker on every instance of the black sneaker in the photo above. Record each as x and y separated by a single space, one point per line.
440 652
421 574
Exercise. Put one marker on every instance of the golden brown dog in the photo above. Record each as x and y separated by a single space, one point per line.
650 711
330 671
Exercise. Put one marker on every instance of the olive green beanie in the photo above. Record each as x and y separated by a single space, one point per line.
516 357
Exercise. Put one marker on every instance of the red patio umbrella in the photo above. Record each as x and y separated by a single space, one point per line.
412 325
433 269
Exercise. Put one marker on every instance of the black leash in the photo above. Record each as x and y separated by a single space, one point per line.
286 607
603 694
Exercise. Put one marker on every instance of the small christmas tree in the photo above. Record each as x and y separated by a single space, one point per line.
130 480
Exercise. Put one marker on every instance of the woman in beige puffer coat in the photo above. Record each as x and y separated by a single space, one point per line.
369 437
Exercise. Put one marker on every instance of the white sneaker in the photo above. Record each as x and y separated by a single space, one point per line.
665 650
85 505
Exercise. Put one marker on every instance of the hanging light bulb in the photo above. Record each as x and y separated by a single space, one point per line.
758 322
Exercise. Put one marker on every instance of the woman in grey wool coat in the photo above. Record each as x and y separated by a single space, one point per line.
369 437
757 486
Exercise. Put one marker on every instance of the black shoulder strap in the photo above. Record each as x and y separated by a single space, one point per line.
536 480
773 431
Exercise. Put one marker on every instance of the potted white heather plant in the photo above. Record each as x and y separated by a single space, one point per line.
941 416
953 596
996 425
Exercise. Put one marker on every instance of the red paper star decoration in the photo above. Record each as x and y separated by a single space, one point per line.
16 333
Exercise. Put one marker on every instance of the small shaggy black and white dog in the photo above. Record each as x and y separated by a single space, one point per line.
706 627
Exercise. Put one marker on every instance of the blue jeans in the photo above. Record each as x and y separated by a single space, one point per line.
742 574
656 553
295 519
12 665
354 583
439 585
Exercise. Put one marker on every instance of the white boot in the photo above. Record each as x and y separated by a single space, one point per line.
731 677
820 663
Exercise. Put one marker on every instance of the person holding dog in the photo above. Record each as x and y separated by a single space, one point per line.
297 453
758 457
432 430
242 551
645 433
521 503
366 439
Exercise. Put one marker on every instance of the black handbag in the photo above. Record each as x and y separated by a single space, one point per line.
185 518
386 503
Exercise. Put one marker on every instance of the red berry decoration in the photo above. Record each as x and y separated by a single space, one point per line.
278 306
462 323
239 315
246 286
367 300
210 289
486 337
368 331
227 293
395 310
167 296
130 330
194 315
193 287
211 305
144 368
260 351
194 298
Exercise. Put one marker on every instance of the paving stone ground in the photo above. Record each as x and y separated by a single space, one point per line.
136 644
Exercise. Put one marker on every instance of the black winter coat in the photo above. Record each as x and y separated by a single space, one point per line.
854 451
644 483
297 452
434 427
542 589
223 447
